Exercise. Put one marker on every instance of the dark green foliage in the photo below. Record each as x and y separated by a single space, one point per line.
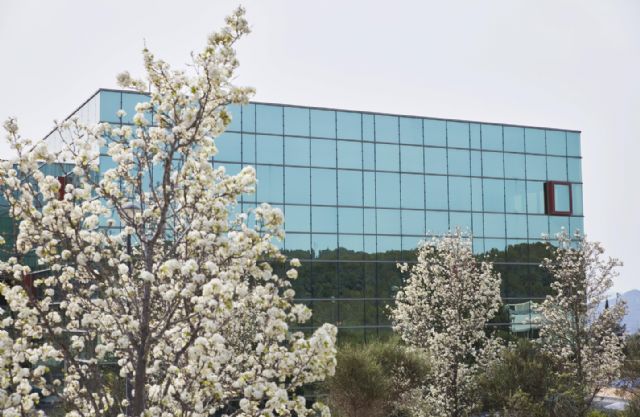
370 379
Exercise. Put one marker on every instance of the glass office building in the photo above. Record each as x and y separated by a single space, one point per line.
360 190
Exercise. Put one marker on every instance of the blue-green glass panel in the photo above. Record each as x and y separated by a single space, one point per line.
388 221
573 144
270 184
351 243
436 192
535 197
412 191
514 165
349 125
370 221
478 246
495 244
230 169
387 157
515 196
349 188
558 224
576 194
557 168
249 117
323 123
298 242
575 169
388 243
324 219
491 137
368 156
517 226
387 189
474 130
369 188
478 224
269 149
386 128
437 222
476 163
296 121
493 195
268 119
494 225
576 224
459 193
297 185
556 142
323 186
367 128
461 221
538 226
296 151
349 154
235 111
458 134
229 147
350 220
110 103
435 132
411 159
129 102
562 199
411 130
435 160
297 219
459 163
513 139
323 153
476 194
249 148
492 164
534 141
536 167
413 222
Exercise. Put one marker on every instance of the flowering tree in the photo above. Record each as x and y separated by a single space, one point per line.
443 308
575 330
175 292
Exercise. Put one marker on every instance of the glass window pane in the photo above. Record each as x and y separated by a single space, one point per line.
129 102
413 222
349 125
556 142
534 141
536 167
436 191
323 186
411 159
474 129
323 123
351 247
388 221
461 221
459 193
298 244
323 247
268 119
514 165
386 128
370 221
297 185
476 163
368 156
513 139
437 222
323 153
494 225
248 148
576 194
110 103
269 149
297 219
573 144
387 157
270 184
435 160
458 134
350 220
324 219
476 194
492 164
557 224
412 191
367 127
516 226
387 189
435 132
411 130
349 154
350 188
296 151
515 196
369 188
459 163
249 117
493 195
296 121
538 226
389 248
478 224
557 168
535 197
575 169
561 198
576 224
229 147
491 137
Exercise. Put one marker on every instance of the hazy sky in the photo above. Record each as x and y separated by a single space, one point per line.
571 64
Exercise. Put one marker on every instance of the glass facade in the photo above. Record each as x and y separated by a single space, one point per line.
360 190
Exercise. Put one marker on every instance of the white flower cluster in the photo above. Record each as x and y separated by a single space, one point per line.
443 309
182 298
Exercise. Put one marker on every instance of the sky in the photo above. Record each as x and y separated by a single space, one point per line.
572 64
